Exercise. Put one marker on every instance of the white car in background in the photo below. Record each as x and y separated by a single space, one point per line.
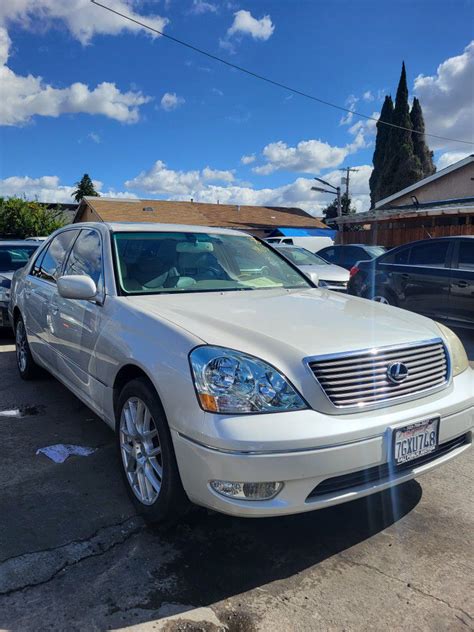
232 381
329 275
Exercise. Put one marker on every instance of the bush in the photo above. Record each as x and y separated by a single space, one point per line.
20 218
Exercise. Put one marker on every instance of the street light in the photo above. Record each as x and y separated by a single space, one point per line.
337 189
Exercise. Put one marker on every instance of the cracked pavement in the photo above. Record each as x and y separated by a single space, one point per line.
74 556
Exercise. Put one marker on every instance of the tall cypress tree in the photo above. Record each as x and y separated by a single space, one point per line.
403 168
381 144
422 151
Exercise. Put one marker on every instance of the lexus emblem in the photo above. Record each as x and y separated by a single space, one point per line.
397 372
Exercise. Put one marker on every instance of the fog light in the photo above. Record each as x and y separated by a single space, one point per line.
247 491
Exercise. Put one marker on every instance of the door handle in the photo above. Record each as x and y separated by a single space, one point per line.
463 284
405 276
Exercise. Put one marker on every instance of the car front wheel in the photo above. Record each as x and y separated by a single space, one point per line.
147 456
27 367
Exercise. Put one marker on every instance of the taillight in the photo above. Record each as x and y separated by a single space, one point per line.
354 270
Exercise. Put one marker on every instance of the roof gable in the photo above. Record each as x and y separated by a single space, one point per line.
439 174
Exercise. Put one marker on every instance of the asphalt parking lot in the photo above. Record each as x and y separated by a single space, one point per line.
74 556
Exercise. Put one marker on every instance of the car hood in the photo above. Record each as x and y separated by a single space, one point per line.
275 323
330 272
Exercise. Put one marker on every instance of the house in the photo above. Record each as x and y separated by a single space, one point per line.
439 205
257 220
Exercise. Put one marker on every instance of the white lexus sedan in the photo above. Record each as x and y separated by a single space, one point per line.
230 379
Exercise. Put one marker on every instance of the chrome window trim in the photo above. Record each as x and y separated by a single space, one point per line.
382 403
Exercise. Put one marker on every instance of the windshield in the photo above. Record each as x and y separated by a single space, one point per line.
15 257
150 263
303 257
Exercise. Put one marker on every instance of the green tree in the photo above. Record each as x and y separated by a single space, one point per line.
20 218
403 168
422 151
401 157
346 208
85 187
380 153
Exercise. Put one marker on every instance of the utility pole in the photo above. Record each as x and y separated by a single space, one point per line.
345 180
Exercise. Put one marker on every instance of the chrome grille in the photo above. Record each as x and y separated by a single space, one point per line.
361 379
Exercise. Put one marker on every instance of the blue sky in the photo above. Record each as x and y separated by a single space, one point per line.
81 92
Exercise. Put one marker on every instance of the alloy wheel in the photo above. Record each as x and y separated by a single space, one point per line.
141 451
381 299
21 346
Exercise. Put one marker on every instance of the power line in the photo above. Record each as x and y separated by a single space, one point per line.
271 81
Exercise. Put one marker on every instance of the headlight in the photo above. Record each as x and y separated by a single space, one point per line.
4 294
459 360
228 381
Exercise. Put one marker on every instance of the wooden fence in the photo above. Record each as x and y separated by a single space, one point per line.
391 236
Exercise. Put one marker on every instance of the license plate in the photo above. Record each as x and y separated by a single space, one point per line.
414 441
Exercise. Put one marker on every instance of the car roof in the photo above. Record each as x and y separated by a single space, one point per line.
153 227
18 242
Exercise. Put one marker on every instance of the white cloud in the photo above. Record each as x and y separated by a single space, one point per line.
49 189
247 160
449 157
351 102
82 18
446 99
309 156
26 96
94 137
245 24
179 185
200 7
368 96
160 180
170 101
217 91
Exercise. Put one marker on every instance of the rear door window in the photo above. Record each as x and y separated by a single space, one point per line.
430 254
466 255
329 254
397 257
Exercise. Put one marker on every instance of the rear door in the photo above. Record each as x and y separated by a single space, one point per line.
425 283
461 298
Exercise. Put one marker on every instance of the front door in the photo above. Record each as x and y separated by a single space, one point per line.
40 290
77 323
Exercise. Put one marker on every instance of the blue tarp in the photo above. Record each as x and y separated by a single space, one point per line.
304 232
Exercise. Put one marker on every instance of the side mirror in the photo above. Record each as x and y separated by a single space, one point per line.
314 277
78 286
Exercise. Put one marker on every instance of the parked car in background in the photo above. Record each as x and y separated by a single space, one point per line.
329 276
230 379
348 255
311 243
434 277
13 256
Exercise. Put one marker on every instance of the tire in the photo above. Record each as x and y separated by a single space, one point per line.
27 367
384 297
146 454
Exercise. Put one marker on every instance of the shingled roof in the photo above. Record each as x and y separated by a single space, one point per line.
249 218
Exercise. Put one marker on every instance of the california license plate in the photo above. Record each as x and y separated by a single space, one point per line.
414 441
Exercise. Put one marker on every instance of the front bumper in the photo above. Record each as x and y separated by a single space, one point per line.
301 470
